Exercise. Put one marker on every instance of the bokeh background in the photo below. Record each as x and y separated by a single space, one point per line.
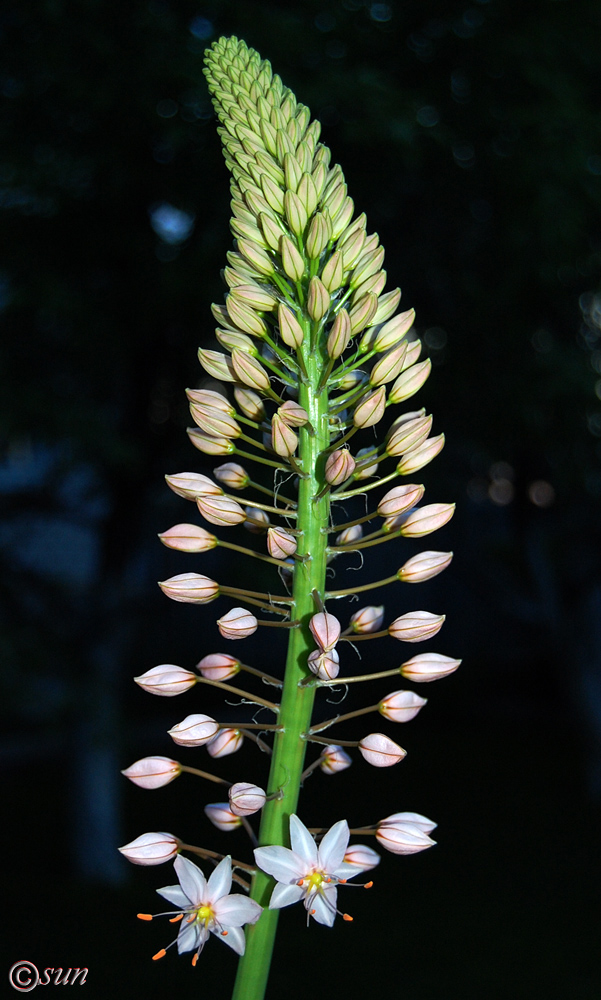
469 132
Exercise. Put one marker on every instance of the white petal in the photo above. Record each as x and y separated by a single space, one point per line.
346 870
234 937
284 895
190 936
324 904
220 881
333 846
302 842
236 910
191 880
284 865
174 894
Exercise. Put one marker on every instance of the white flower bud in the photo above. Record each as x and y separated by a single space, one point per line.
371 409
246 798
151 848
368 619
324 665
334 759
394 330
428 667
416 819
190 588
418 457
424 566
293 414
362 857
232 475
237 624
209 444
222 816
226 742
194 731
399 500
250 371
401 706
425 520
218 666
250 403
257 520
415 626
365 471
350 535
167 680
325 629
291 331
191 485
380 751
283 439
407 434
188 538
409 381
221 510
280 543
403 838
153 772
340 465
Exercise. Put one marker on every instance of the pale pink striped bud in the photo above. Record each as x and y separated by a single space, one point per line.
424 566
188 538
221 510
237 624
363 858
339 335
283 439
153 772
325 629
428 667
214 421
293 414
190 588
416 819
403 838
387 304
207 397
394 330
332 274
222 816
334 759
250 371
250 403
418 457
380 751
318 299
414 349
209 444
409 381
368 470
218 666
280 543
226 742
371 409
151 848
246 798
352 380
339 466
399 500
415 626
324 665
217 364
408 434
401 706
363 312
244 316
191 485
292 261
166 680
350 535
256 257
291 331
425 520
255 296
194 731
388 366
368 619
257 520
232 475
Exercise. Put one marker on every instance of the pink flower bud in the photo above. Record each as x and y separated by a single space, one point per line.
226 742
244 316
218 666
415 626
206 397
401 706
334 759
280 544
291 331
380 751
388 366
416 819
190 588
153 772
362 857
352 380
399 500
418 457
237 624
408 434
367 619
292 261
250 371
428 667
257 520
255 296
151 848
324 665
188 538
339 335
217 364
232 475
325 629
409 381
214 421
283 439
424 566
387 304
208 444
250 403
403 838
371 410
191 485
394 330
222 816
246 798
363 312
293 414
221 510
367 470
424 520
414 349
194 731
167 680
332 273
339 466
318 300
350 535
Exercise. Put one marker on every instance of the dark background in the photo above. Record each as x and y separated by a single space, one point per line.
470 134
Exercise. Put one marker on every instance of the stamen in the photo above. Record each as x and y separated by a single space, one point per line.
312 912
194 960
144 916
368 885
342 881
347 917
224 933
300 881
174 920
159 954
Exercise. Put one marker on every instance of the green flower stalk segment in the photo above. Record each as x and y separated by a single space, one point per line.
312 353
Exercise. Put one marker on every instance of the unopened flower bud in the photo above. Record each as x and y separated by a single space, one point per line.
209 444
218 666
291 331
424 520
350 535
388 366
318 300
237 624
292 262
221 510
369 262
226 742
256 257
191 485
188 538
362 857
246 798
250 371
414 349
387 305
363 312
217 365
214 421
407 434
244 316
400 499
232 475
325 629
293 414
424 566
416 819
415 626
280 543
428 667
339 466
166 680
339 335
317 237
394 330
352 380
371 409
153 772
325 665
365 471
257 520
367 619
380 751
250 403
255 296
401 706
403 838
418 457
222 816
207 397
283 439
409 381
194 731
333 273
334 759
190 588
151 848
351 246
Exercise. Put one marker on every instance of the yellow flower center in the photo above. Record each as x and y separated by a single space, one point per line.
204 914
315 880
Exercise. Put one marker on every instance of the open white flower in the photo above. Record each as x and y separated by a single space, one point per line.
309 872
206 907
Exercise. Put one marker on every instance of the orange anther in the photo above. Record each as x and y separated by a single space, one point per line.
368 885
343 881
194 960
174 920
224 933
190 918
347 917
300 881
312 912
328 880
159 954
144 916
